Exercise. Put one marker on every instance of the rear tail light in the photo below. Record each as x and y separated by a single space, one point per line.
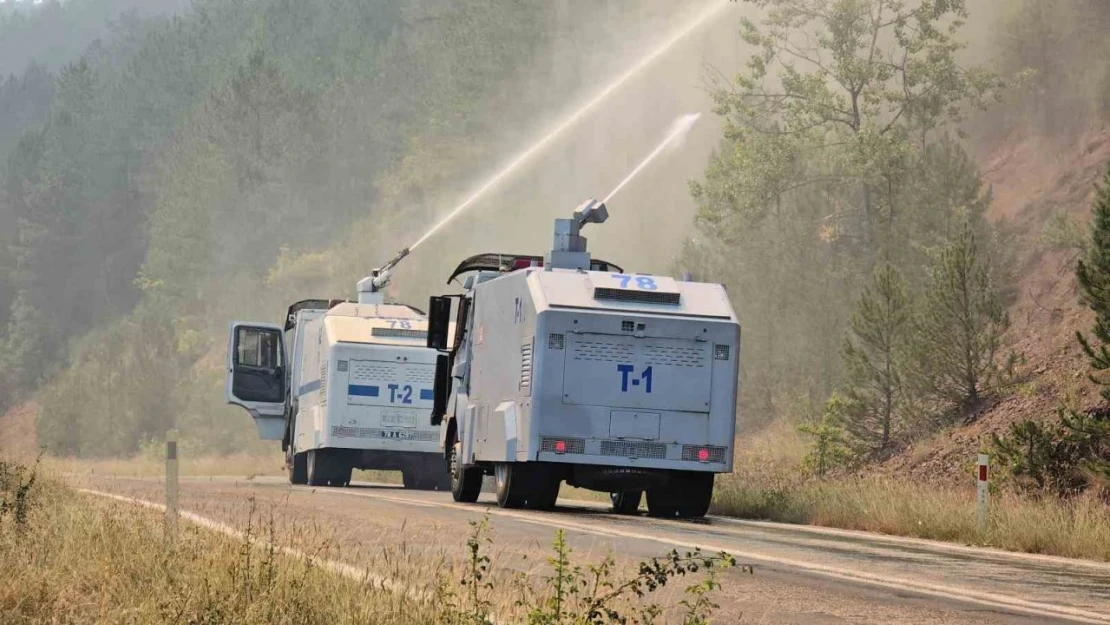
704 453
562 444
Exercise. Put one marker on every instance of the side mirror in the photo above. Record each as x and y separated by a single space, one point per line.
442 388
439 322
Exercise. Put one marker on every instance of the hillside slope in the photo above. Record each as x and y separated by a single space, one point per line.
1033 178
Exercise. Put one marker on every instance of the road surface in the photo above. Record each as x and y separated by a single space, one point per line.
801 575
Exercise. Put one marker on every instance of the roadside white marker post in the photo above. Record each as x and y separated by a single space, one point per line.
983 499
171 485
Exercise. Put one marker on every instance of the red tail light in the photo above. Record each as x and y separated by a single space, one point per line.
703 455
560 447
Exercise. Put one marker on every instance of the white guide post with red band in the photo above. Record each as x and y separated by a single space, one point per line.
982 503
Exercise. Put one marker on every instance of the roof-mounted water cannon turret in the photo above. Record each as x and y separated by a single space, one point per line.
568 250
370 288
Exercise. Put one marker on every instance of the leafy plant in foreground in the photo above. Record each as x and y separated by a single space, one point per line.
583 595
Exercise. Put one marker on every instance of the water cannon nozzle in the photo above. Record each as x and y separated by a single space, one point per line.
591 212
381 278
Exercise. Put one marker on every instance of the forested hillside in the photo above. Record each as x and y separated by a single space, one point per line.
225 162
891 302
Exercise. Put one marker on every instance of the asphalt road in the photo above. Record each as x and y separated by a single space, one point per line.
801 575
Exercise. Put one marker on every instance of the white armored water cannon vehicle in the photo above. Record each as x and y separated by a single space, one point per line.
343 385
567 368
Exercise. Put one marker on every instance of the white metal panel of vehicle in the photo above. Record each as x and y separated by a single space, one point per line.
628 372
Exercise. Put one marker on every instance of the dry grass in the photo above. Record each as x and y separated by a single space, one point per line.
768 484
1077 528
152 464
77 560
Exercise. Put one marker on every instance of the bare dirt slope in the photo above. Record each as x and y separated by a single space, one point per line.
1032 178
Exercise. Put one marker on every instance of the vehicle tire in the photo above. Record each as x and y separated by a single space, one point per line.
627 502
512 484
466 482
543 488
340 473
318 468
297 467
685 495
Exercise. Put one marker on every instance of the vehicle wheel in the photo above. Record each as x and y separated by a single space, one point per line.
684 495
466 483
543 490
408 478
297 466
626 502
512 484
340 473
544 497
317 468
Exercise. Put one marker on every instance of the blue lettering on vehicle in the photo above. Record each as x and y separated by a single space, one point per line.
643 283
628 377
400 394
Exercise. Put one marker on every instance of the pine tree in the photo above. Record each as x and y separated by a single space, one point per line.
874 356
829 449
959 329
1093 274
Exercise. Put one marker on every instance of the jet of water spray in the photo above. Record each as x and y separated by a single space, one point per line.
714 7
678 131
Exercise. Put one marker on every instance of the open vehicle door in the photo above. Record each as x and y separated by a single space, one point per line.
256 375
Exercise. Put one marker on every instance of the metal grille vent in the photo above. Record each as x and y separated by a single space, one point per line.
556 341
629 295
715 454
346 431
572 445
720 352
369 371
674 356
526 364
420 375
398 333
633 449
602 351
324 383
628 326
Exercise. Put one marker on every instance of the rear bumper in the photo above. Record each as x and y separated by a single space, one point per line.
382 439
672 462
